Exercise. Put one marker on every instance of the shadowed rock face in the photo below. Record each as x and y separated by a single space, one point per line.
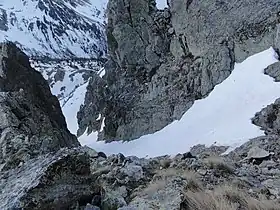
161 61
269 118
31 121
39 168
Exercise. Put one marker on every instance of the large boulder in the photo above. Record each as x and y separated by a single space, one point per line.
160 61
52 181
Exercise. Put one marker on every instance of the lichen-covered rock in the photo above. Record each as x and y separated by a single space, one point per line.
160 61
274 71
257 153
96 91
31 119
268 143
52 181
269 118
203 151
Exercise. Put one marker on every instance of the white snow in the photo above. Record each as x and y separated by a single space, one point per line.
99 117
74 72
223 118
161 4
102 72
102 125
94 9
73 106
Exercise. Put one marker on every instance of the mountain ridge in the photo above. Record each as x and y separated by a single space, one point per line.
57 29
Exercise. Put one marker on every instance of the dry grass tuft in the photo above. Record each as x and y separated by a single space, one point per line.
193 183
191 177
219 164
207 201
165 163
162 178
154 187
226 198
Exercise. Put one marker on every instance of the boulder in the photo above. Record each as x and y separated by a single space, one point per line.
269 118
273 71
51 181
257 153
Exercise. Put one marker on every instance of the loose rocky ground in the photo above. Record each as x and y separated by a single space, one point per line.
248 178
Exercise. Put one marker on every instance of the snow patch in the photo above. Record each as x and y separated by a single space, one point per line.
99 117
102 72
73 74
161 4
102 124
73 106
25 20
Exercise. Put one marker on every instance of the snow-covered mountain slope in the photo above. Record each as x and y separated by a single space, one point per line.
223 118
66 76
55 28
64 38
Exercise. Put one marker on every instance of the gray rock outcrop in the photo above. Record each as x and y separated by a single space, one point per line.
52 181
268 119
273 71
31 121
160 61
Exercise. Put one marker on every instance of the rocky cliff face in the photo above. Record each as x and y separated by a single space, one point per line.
160 61
38 167
66 39
31 119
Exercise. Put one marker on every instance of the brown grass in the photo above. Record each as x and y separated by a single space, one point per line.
191 177
219 164
226 198
154 187
162 176
165 163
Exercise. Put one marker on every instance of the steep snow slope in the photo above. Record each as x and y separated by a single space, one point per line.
224 117
55 28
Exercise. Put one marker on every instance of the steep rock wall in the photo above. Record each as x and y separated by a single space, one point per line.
31 121
161 61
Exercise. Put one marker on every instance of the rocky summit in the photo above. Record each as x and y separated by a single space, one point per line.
161 61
